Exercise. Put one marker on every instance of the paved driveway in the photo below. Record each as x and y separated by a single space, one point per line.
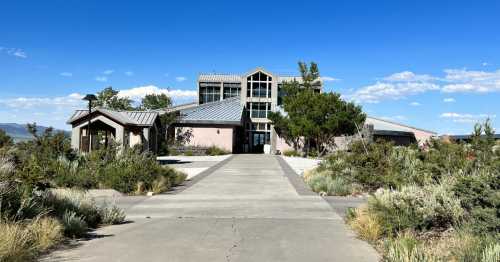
246 210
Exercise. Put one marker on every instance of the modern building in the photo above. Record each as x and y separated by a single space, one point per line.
232 111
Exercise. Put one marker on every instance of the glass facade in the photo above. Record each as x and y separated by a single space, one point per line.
258 109
231 89
259 85
209 92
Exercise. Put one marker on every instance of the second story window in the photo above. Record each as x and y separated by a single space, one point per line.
231 89
209 92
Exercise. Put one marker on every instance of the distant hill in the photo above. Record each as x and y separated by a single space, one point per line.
20 133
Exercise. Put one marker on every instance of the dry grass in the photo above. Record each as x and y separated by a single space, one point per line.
46 233
366 224
15 243
160 185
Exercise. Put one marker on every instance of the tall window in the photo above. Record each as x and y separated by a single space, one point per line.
259 109
209 92
259 85
280 94
231 89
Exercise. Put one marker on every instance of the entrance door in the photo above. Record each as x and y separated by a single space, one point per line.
259 139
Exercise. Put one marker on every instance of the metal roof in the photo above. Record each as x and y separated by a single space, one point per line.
227 111
219 78
381 124
137 118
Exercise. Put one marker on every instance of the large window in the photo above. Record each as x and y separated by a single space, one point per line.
259 85
259 109
209 92
231 89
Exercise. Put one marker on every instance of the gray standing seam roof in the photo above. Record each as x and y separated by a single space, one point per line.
227 111
137 118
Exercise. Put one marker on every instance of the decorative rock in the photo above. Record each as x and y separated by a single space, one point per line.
150 193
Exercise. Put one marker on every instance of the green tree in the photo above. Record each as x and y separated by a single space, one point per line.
5 140
108 98
156 101
314 117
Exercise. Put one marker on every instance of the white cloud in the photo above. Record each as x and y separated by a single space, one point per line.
180 79
129 73
463 80
101 79
449 100
74 99
17 52
415 104
66 74
485 64
407 76
466 118
329 79
137 93
394 91
108 72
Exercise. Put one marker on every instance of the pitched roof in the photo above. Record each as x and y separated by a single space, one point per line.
381 124
136 118
228 111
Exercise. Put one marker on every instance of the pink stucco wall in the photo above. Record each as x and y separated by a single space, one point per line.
212 136
281 145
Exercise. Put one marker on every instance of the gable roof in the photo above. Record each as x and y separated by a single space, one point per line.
228 111
134 118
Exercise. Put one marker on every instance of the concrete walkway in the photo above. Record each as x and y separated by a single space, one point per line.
247 210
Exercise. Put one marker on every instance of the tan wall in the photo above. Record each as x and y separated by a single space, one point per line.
212 136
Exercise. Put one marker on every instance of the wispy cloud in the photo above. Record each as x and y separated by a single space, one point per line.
66 74
415 104
101 79
463 80
180 79
485 64
73 99
108 72
329 79
449 100
466 118
17 52
394 118
129 73
391 91
404 84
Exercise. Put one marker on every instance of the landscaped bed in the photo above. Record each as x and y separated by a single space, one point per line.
440 202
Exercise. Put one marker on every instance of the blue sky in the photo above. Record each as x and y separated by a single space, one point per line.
431 64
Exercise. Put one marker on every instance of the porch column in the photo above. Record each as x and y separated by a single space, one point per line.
75 138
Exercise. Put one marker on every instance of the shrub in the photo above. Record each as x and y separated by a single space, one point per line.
46 232
413 207
291 153
15 243
188 153
112 215
215 151
74 225
63 200
325 182
366 224
179 178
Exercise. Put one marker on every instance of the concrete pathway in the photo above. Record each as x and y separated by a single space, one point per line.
246 210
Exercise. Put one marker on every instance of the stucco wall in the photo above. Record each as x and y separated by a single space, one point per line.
212 136
281 145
